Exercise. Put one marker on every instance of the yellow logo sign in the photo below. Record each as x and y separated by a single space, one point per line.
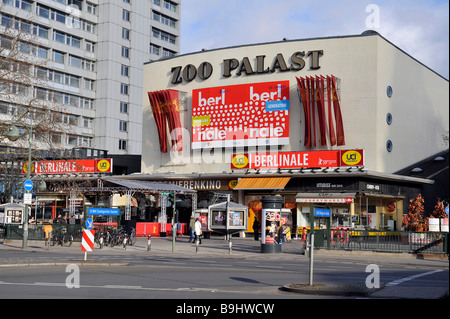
240 161
201 120
103 165
351 158
232 184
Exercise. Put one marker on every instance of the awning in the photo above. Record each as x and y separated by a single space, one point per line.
325 197
262 183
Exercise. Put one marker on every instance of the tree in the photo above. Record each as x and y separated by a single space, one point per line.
415 219
439 210
27 100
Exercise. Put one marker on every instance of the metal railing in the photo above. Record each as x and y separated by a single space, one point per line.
387 241
37 232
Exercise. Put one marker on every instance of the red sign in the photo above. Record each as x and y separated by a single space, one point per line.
294 159
70 166
307 159
87 241
241 115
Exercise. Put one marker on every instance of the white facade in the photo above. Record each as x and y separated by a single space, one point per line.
365 66
102 45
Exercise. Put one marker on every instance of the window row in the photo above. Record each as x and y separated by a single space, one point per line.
169 5
64 78
70 20
162 35
156 49
64 98
164 19
43 32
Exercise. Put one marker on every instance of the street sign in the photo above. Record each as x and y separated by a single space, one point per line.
446 210
27 197
89 223
322 212
87 242
166 193
104 211
28 185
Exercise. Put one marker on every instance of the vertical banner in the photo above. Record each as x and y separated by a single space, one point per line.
166 112
310 84
337 114
302 88
330 114
158 115
320 109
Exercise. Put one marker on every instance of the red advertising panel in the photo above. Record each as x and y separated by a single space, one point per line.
294 159
70 166
307 159
241 115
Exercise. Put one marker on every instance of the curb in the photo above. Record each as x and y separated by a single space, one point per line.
78 263
331 288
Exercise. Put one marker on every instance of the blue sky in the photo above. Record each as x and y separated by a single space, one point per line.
419 27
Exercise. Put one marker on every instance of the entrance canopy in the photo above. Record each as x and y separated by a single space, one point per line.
150 187
262 183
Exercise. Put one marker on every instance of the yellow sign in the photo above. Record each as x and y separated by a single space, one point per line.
201 120
240 161
103 165
351 158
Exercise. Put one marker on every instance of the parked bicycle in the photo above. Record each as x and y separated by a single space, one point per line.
62 238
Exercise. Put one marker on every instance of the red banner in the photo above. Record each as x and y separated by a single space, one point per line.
166 111
312 92
241 115
302 88
337 114
306 159
70 166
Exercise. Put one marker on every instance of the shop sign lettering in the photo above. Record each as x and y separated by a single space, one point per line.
233 66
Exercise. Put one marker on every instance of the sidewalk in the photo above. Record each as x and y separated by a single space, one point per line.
243 248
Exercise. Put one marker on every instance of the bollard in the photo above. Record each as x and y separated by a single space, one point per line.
149 242
197 243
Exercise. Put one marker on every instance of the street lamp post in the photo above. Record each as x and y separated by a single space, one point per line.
13 135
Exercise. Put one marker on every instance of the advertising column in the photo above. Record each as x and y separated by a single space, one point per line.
270 224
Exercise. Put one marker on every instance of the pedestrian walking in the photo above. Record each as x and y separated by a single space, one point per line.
191 229
198 230
256 226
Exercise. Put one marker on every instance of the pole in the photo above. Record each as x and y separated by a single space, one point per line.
174 226
311 260
27 207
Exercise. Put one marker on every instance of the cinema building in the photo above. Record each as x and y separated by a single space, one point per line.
323 121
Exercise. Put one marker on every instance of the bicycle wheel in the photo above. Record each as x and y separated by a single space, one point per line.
53 241
67 240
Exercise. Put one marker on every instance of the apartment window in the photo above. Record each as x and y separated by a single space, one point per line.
159 34
87 122
89 84
90 46
154 49
170 6
58 57
126 15
24 5
123 107
122 145
124 70
123 126
164 19
125 34
125 52
124 88
126 1
91 8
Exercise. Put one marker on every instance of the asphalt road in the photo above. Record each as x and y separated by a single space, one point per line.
211 274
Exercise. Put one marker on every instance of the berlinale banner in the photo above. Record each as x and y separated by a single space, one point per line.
166 112
70 166
241 115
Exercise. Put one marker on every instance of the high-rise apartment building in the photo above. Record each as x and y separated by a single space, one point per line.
94 53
